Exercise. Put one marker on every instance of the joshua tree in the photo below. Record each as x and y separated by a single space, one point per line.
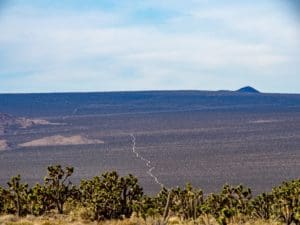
232 201
18 193
187 202
287 202
110 196
131 192
39 200
58 186
261 206
2 199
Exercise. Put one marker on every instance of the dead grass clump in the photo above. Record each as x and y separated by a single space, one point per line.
134 220
8 218
84 214
262 222
19 223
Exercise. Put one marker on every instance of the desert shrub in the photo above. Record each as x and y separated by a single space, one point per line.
7 206
131 192
110 196
146 207
230 202
160 201
262 206
187 202
287 202
154 207
39 200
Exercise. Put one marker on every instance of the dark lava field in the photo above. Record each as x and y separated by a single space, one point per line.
205 138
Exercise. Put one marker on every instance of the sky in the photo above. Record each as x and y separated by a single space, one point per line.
126 45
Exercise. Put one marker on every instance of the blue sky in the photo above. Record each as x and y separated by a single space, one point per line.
113 45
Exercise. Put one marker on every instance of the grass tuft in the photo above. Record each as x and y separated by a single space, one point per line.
75 219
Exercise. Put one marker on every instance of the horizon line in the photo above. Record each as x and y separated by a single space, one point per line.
140 91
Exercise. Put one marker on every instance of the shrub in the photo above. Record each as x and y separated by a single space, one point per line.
110 196
262 206
287 202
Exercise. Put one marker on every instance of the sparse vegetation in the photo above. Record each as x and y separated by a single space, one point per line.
120 200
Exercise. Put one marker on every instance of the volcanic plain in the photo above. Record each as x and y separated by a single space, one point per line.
205 138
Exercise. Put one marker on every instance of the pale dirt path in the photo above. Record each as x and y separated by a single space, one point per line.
146 161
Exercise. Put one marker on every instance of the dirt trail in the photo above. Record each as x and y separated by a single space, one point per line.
146 161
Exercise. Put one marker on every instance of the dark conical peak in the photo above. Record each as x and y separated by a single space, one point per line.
247 89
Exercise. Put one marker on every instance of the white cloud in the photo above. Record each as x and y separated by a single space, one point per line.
91 50
268 24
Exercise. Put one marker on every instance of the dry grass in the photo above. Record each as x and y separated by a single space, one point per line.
71 220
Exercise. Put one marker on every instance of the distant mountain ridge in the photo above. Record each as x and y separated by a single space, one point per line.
45 105
248 89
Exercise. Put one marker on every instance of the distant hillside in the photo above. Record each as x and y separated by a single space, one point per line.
75 104
7 120
247 89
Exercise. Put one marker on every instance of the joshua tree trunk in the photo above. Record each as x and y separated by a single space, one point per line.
166 211
19 205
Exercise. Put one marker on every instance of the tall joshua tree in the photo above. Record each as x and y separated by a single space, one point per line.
58 185
18 195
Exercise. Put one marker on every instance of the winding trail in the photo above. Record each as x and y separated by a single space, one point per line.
146 161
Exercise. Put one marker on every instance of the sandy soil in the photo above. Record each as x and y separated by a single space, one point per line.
3 145
61 140
266 121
